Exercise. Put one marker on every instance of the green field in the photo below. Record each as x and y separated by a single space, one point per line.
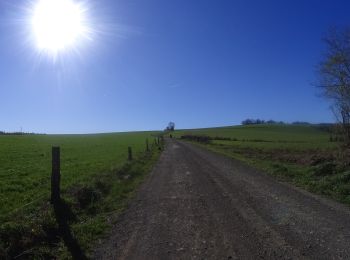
91 165
26 162
301 154
307 134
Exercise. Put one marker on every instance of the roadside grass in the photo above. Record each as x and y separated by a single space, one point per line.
302 155
97 182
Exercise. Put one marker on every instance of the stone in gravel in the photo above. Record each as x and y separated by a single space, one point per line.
256 205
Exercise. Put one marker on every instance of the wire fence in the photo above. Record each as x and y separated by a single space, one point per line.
13 211
46 194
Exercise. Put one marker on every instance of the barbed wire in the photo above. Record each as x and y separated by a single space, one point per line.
42 196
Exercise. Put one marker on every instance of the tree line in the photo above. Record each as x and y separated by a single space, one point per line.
250 121
17 133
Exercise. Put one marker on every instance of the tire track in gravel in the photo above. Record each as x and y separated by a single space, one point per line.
196 204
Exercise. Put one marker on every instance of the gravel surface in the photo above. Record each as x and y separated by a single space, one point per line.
200 205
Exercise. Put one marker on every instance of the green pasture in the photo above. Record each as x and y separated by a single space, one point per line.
25 162
97 180
306 134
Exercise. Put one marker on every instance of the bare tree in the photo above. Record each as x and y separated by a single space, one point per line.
334 72
171 126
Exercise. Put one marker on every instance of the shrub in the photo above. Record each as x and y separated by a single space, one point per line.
198 138
324 169
87 196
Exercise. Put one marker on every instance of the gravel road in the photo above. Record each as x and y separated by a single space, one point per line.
200 205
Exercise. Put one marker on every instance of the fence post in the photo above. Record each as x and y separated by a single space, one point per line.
147 146
55 175
129 153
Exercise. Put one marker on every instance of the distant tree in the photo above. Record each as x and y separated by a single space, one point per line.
271 122
253 122
171 126
300 123
259 122
248 122
334 76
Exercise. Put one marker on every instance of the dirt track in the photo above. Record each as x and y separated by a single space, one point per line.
201 205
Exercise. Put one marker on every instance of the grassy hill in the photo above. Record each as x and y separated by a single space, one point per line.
96 179
307 134
26 162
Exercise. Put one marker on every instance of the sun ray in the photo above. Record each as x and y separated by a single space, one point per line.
58 25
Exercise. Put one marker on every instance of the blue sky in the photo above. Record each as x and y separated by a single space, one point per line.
197 63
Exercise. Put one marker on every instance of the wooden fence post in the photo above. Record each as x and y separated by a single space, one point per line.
147 146
55 175
129 153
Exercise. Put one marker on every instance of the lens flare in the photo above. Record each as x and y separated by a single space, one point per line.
58 24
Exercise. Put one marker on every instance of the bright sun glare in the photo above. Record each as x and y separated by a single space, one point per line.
58 24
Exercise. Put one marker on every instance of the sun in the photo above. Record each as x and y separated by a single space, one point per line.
58 24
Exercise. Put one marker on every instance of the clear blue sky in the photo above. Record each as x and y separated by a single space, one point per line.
197 63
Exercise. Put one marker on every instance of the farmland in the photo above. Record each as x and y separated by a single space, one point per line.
277 134
96 163
300 154
97 180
